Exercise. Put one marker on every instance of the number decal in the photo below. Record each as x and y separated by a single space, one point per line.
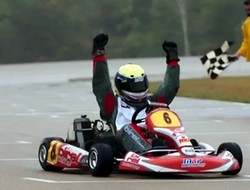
164 118
53 152
167 118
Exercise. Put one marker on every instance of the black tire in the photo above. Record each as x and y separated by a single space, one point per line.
235 150
101 160
43 154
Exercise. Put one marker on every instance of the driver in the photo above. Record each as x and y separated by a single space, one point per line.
131 92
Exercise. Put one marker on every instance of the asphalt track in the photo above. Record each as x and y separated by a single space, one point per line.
42 99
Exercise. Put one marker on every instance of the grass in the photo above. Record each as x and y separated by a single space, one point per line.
235 89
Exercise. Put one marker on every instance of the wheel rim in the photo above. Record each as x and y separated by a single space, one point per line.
93 159
43 154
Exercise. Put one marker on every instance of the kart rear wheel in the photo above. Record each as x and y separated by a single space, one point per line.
235 150
43 154
101 160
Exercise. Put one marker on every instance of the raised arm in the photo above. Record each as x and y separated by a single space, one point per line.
101 84
170 85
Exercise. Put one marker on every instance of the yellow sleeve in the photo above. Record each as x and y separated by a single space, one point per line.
243 48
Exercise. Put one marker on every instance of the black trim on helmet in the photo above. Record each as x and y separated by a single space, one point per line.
137 84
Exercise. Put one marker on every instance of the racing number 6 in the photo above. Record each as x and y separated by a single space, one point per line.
166 118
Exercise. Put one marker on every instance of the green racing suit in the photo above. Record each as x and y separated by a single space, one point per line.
109 102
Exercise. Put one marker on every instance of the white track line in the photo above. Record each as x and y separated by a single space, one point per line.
247 178
15 142
217 133
18 159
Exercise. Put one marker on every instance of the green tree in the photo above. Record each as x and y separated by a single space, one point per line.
32 31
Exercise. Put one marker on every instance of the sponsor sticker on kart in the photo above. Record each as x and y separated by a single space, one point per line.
132 157
189 151
63 153
226 155
131 160
193 162
68 156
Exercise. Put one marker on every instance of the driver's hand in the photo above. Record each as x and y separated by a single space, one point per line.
99 42
171 51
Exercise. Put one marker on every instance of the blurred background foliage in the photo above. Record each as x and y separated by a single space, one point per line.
55 30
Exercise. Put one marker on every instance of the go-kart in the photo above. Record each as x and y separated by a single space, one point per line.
92 145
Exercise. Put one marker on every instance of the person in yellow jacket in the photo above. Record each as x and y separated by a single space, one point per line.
244 49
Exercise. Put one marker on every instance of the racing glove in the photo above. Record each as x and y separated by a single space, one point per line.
99 42
171 51
232 58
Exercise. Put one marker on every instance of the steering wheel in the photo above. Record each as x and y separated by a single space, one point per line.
150 106
134 120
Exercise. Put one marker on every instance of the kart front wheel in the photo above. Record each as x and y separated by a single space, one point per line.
101 160
235 150
43 154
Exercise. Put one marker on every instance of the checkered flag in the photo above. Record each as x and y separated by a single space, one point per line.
217 60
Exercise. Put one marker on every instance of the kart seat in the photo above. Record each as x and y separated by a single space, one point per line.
82 134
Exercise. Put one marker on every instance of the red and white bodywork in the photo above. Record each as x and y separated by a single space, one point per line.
178 156
181 156
66 156
176 163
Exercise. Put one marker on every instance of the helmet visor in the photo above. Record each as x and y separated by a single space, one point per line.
138 96
137 84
